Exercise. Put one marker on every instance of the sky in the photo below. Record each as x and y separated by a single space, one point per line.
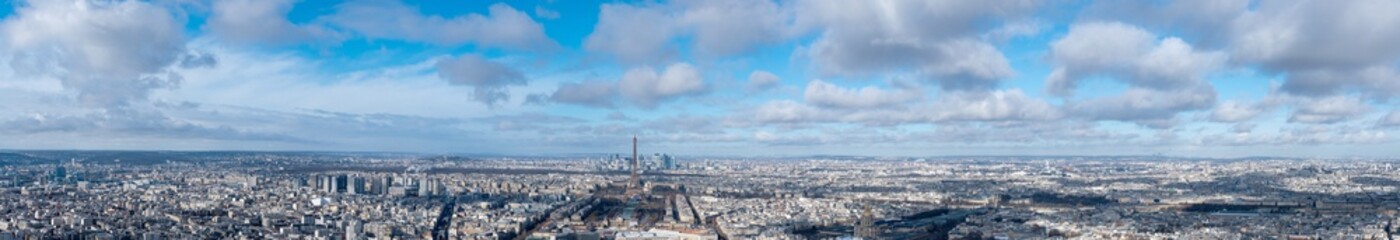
1208 78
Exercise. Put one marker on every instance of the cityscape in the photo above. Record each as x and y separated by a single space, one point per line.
325 195
699 119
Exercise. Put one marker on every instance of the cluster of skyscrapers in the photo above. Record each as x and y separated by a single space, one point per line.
376 184
653 162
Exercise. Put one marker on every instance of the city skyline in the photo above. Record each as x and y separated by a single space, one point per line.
1218 79
181 195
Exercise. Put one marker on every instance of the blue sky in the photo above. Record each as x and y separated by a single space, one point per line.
735 77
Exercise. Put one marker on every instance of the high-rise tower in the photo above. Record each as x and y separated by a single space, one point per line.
635 183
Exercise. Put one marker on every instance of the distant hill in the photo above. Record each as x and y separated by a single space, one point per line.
9 158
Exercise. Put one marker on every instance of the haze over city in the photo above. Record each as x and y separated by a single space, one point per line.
780 78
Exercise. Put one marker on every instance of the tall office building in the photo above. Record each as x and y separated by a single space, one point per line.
357 185
59 174
388 183
667 162
350 185
328 183
655 162
377 186
341 183
425 187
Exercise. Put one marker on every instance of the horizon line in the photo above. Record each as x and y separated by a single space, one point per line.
507 155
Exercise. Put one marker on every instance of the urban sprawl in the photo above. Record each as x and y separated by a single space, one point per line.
291 195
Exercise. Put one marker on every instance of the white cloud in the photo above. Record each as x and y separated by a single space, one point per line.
821 93
1322 48
642 87
486 77
262 21
503 26
1000 105
545 13
728 27
1129 54
647 33
1243 128
787 111
1234 111
1165 77
328 130
646 88
1206 20
1330 54
1029 133
137 122
290 82
1391 119
763 136
969 64
1144 106
1017 29
1336 62
792 139
685 123
1328 110
875 107
1304 35
632 34
618 116
1097 46
1174 64
1312 135
538 122
933 38
761 80
1376 81
110 54
587 93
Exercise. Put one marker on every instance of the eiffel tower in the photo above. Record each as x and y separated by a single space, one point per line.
634 185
